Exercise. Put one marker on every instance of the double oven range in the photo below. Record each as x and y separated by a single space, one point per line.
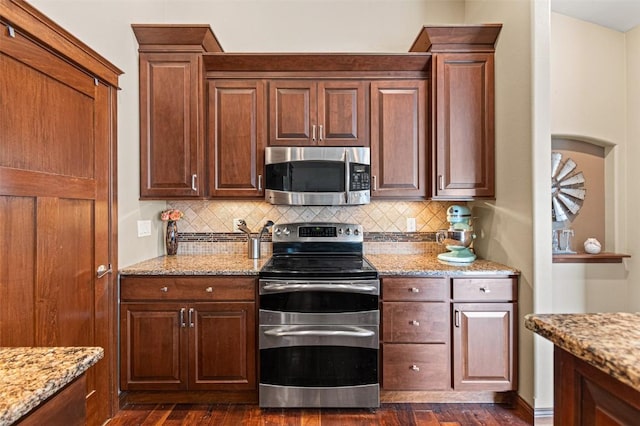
318 319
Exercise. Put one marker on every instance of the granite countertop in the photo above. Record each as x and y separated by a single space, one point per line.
430 265
608 341
197 264
30 375
236 264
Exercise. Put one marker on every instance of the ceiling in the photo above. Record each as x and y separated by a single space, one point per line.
620 15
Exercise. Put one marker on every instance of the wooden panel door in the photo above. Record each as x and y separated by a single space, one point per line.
171 131
398 139
57 192
222 345
236 137
484 346
464 126
153 346
292 112
342 113
56 189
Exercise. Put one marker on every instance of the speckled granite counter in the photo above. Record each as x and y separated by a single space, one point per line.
234 264
28 376
429 265
197 264
608 341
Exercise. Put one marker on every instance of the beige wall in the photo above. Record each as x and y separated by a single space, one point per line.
632 194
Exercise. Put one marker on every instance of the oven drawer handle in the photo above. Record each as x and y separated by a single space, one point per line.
316 287
357 332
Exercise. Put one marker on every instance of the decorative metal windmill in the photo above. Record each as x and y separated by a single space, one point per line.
567 189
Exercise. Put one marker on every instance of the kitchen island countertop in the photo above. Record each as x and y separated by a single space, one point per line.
30 375
236 264
607 341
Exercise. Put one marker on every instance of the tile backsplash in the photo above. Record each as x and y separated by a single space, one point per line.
207 226
377 217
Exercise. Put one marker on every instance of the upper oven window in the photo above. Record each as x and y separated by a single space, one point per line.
306 176
318 302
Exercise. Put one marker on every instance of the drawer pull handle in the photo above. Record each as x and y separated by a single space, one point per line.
414 322
414 290
485 290
164 289
209 290
415 368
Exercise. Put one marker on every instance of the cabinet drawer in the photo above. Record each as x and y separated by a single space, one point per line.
187 288
485 289
415 289
415 367
415 322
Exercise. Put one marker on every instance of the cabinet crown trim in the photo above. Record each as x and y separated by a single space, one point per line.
457 38
352 62
159 37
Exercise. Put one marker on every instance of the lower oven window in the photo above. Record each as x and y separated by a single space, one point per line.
318 366
318 301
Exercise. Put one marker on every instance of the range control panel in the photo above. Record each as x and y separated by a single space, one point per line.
319 232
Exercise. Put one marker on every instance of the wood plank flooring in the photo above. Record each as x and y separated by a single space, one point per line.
252 415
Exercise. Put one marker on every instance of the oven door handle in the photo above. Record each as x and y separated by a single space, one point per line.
349 332
353 288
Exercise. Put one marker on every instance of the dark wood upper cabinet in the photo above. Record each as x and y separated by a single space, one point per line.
309 112
462 132
428 115
236 137
398 138
463 144
172 109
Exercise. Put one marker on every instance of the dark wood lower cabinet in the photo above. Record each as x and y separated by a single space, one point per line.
173 342
584 395
454 336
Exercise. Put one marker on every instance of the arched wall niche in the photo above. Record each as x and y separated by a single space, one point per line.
595 159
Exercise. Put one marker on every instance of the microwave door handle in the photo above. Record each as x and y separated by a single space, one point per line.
347 176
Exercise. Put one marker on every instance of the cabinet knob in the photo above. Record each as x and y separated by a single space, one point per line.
209 289
485 289
414 322
414 290
415 368
164 289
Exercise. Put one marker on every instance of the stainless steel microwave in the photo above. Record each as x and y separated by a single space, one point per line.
317 175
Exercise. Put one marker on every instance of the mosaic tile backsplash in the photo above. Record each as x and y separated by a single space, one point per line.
379 216
207 226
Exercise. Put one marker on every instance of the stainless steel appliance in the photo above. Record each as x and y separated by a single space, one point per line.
318 319
318 175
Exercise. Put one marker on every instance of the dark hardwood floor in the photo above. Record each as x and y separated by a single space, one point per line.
387 415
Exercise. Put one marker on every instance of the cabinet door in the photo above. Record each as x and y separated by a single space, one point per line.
398 139
236 137
222 346
153 350
484 346
171 139
464 126
342 113
293 112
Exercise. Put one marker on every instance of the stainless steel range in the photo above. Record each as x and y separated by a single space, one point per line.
319 319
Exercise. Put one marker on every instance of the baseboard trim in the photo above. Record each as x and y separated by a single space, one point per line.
525 409
540 413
